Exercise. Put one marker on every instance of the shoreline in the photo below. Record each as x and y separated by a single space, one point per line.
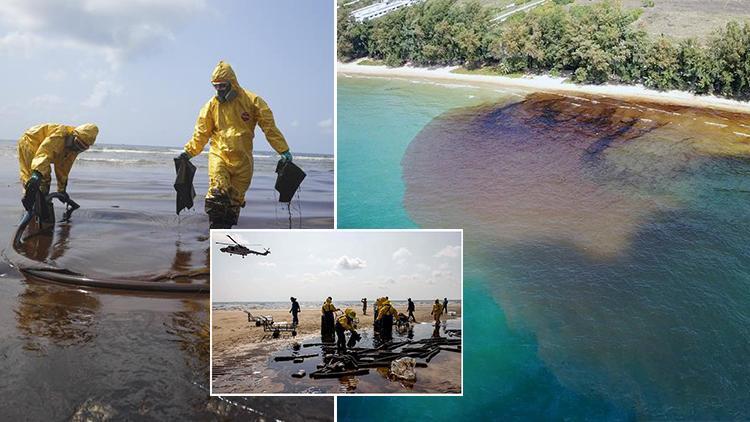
546 83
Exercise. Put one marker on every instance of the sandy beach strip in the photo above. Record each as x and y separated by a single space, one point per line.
230 328
545 83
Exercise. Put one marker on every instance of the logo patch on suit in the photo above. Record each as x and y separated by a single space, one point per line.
245 116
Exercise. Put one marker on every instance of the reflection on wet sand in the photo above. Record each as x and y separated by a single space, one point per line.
48 314
92 354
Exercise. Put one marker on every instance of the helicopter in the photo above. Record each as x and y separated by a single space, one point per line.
237 248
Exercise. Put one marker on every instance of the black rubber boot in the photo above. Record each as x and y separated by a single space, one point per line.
221 213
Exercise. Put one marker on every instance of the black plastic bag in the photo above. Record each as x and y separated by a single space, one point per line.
183 183
290 176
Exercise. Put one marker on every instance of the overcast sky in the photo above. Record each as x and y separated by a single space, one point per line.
141 69
312 265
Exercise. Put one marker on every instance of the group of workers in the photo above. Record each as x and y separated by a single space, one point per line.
228 120
384 317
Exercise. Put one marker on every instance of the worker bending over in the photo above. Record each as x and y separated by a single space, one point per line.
44 146
345 323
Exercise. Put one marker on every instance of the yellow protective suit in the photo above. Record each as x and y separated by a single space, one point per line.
346 322
437 310
230 126
328 307
43 146
386 309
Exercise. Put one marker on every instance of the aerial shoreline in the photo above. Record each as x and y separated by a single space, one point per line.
546 83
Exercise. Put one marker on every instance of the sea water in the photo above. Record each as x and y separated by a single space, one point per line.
607 270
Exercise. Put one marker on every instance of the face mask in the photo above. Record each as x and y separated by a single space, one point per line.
73 143
224 91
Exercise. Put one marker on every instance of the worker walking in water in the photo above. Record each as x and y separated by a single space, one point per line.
294 311
386 312
437 310
44 146
410 308
228 119
328 320
445 305
364 306
345 323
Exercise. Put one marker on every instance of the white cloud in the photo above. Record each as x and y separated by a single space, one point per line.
346 263
449 252
45 100
295 123
318 277
114 30
440 275
327 123
423 267
401 255
102 91
266 264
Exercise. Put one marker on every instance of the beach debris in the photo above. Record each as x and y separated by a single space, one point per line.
356 360
293 357
298 360
93 410
299 374
296 346
325 344
404 368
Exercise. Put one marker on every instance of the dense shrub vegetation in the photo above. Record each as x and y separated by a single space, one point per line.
592 43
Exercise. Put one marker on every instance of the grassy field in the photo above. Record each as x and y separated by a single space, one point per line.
686 18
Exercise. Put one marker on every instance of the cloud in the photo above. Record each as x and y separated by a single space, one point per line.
401 255
449 252
102 91
327 123
318 277
113 30
440 275
295 123
266 264
346 263
423 267
45 100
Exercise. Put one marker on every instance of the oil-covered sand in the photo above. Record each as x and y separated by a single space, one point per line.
70 352
243 356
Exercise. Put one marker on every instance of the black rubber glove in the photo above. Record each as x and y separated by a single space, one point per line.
32 188
183 156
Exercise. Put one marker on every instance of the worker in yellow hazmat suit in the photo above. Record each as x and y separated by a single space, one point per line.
345 323
228 119
327 321
437 310
47 145
386 312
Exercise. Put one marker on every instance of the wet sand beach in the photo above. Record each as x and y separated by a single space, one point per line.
106 354
242 352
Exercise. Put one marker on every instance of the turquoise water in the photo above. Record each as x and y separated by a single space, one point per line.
607 273
374 138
